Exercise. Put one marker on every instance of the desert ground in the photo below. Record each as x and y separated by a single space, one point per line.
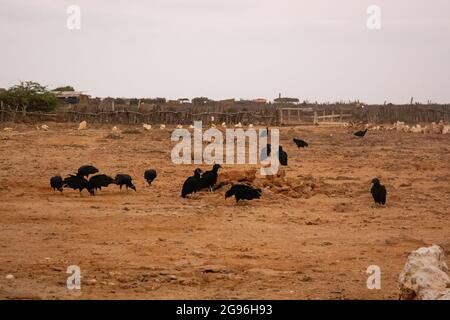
312 235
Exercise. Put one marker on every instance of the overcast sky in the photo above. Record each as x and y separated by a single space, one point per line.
312 49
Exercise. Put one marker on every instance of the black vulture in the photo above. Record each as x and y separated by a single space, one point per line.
100 180
243 192
361 133
78 183
282 156
265 152
378 192
150 175
209 178
85 171
300 143
192 184
124 179
56 183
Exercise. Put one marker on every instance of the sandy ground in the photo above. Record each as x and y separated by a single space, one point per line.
152 244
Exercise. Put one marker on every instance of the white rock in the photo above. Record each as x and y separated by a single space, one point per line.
147 127
224 124
399 126
424 276
44 127
7 129
179 126
82 125
416 129
437 128
9 277
163 126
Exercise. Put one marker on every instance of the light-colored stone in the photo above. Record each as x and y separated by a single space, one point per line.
147 127
424 276
83 125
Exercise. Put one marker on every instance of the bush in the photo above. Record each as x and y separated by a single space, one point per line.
65 88
30 96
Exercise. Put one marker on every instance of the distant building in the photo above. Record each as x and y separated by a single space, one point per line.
260 100
71 97
227 101
183 100
286 100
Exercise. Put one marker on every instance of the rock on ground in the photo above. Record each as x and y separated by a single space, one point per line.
424 276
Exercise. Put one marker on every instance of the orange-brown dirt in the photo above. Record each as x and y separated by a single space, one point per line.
312 236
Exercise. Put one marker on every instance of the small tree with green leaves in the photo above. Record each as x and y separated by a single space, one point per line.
29 96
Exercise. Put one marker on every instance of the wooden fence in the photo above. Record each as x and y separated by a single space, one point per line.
407 113
299 116
134 117
339 118
266 115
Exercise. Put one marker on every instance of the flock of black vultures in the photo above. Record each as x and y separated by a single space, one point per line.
197 182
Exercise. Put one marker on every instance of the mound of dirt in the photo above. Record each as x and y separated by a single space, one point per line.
298 187
235 176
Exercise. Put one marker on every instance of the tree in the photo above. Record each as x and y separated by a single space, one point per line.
30 96
65 88
200 100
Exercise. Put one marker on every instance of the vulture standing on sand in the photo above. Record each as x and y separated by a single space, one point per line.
378 192
150 175
300 143
100 180
192 184
85 171
282 156
56 183
243 192
360 134
209 178
124 179
79 183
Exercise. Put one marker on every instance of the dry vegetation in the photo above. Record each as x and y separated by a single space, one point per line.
312 235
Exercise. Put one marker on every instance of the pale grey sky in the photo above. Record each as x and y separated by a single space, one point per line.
311 49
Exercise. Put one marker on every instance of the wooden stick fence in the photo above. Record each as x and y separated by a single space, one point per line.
268 116
135 117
